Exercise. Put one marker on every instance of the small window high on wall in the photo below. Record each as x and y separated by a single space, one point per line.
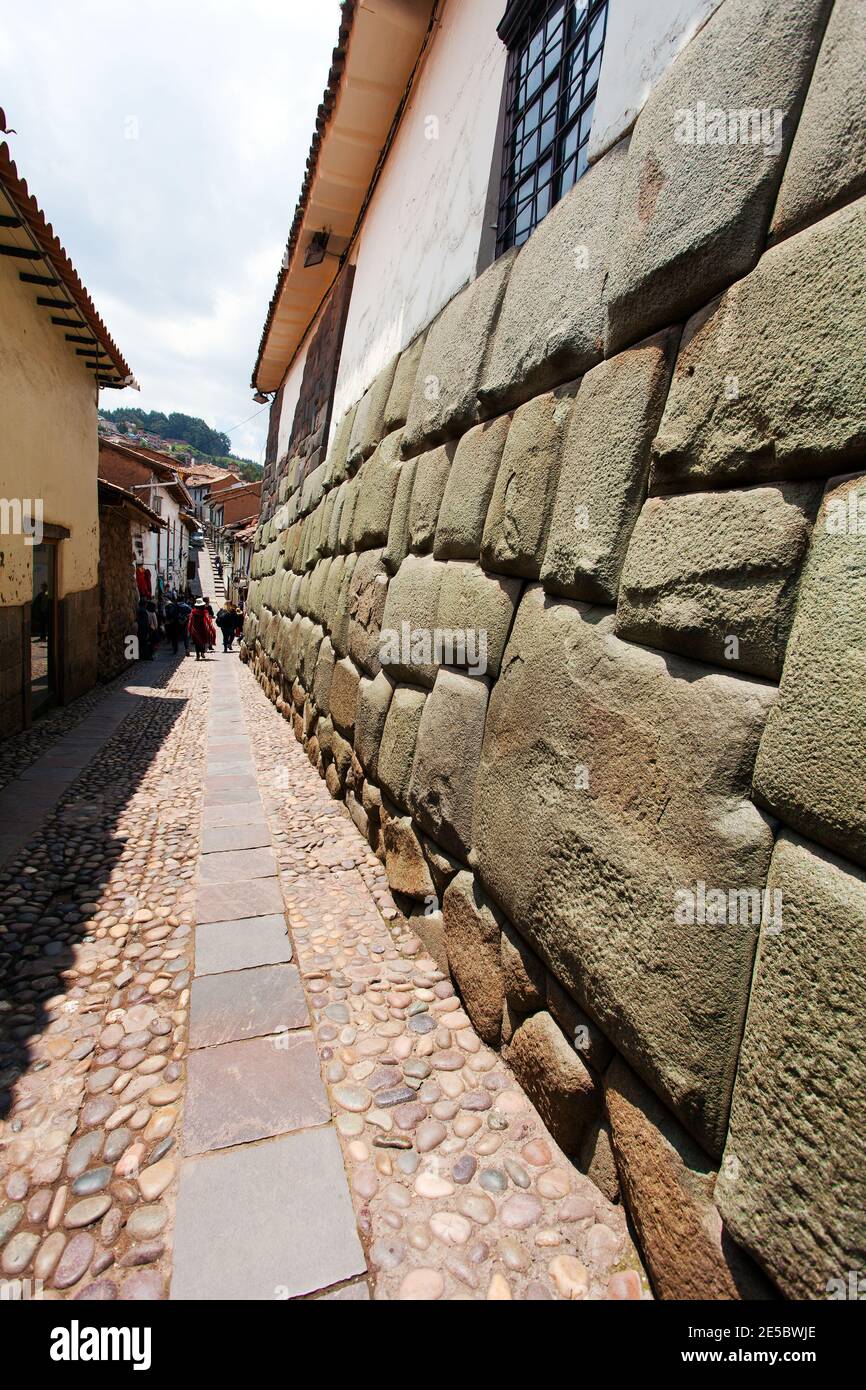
554 60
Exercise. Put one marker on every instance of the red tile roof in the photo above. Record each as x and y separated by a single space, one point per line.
42 234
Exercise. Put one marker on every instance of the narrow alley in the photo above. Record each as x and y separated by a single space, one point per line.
228 1072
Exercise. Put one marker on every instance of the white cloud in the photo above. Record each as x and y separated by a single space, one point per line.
167 145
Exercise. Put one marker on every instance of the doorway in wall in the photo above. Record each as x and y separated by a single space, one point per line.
43 629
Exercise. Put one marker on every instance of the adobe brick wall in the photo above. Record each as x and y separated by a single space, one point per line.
117 592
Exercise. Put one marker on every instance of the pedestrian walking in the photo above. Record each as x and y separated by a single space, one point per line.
201 629
225 621
142 628
184 608
207 603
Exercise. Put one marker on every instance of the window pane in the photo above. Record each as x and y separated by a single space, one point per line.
553 71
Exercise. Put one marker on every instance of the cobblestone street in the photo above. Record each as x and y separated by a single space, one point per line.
199 1101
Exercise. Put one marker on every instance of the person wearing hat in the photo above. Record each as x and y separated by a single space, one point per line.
201 629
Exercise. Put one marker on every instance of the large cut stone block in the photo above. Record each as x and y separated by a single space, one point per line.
398 532
340 597
522 972
405 864
551 326
431 476
447 751
367 593
369 423
633 772
403 384
515 533
473 934
445 399
826 166
339 450
605 467
323 674
409 619
377 487
791 1185
344 696
469 489
811 768
770 381
555 1078
479 609
704 167
667 1183
397 749
374 700
714 574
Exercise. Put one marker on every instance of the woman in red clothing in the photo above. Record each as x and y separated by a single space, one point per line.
201 629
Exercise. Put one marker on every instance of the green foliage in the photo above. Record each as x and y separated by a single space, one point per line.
190 432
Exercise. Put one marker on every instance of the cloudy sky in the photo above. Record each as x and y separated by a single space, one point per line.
166 143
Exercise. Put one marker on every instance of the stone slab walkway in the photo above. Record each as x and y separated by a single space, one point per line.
227 1068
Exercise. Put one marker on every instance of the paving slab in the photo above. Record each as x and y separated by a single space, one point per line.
235 813
232 796
224 837
253 1090
218 902
293 1232
240 945
234 864
245 1004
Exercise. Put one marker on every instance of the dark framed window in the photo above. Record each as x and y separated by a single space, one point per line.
554 60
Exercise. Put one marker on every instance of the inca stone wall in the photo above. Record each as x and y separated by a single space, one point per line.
627 809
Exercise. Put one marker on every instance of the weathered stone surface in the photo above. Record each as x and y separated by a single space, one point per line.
398 532
598 1162
429 927
791 1185
431 476
403 384
339 451
472 941
445 398
551 326
770 381
344 696
826 166
811 768
377 488
558 1083
405 864
714 574
443 866
469 489
367 593
587 1040
347 512
522 973
369 423
479 609
447 750
695 209
515 533
633 770
667 1183
339 583
397 749
409 618
323 674
605 467
374 700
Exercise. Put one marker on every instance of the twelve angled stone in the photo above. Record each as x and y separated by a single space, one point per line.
613 783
